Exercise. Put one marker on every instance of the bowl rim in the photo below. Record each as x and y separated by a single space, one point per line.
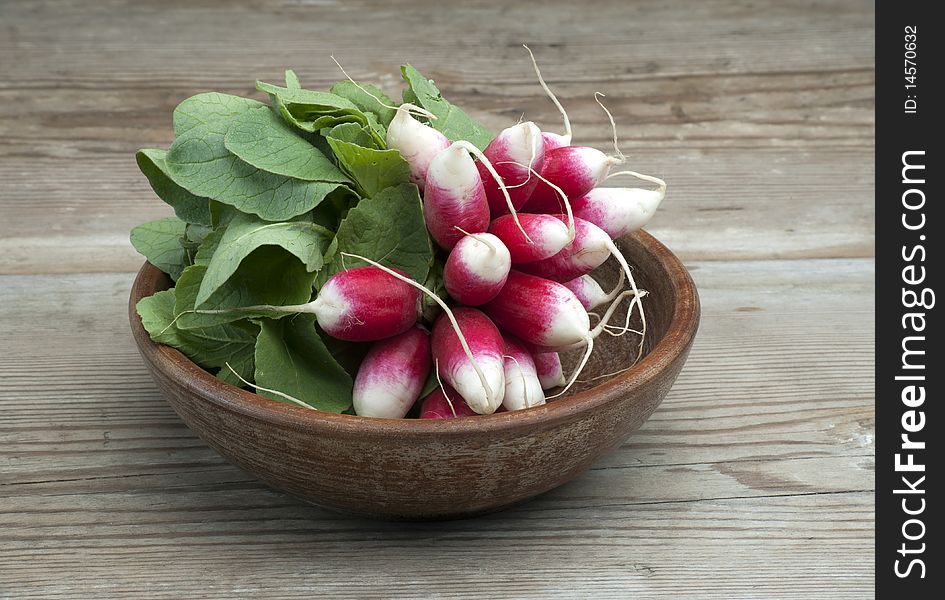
675 342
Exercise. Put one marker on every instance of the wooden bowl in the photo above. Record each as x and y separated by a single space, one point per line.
440 469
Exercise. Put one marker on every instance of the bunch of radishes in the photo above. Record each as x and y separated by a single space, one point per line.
271 201
523 224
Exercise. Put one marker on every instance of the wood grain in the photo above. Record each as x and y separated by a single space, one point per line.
751 131
754 479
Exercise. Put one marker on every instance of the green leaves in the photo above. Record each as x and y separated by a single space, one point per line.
389 229
260 138
267 199
451 121
268 276
199 161
209 347
188 207
210 107
291 358
306 241
160 242
353 134
309 110
369 99
372 170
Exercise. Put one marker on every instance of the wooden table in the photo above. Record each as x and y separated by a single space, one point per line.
754 479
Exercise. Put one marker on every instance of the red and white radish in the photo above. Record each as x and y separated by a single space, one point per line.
575 169
546 316
548 368
476 269
522 386
364 304
513 147
589 292
454 198
392 374
548 235
590 249
445 403
481 382
553 141
541 312
418 143
618 211
459 353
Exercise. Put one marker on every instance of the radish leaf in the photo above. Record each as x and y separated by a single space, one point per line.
365 102
260 138
245 233
199 161
309 110
291 358
372 170
188 207
208 108
451 120
387 228
209 347
268 276
353 133
159 242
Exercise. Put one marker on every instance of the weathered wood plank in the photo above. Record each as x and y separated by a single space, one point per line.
644 39
261 545
195 41
749 129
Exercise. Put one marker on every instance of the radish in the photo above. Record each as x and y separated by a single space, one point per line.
392 374
513 147
363 304
522 386
575 169
460 360
548 368
589 292
548 234
540 312
454 198
445 403
551 140
590 248
547 316
552 324
480 383
618 211
477 268
418 143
